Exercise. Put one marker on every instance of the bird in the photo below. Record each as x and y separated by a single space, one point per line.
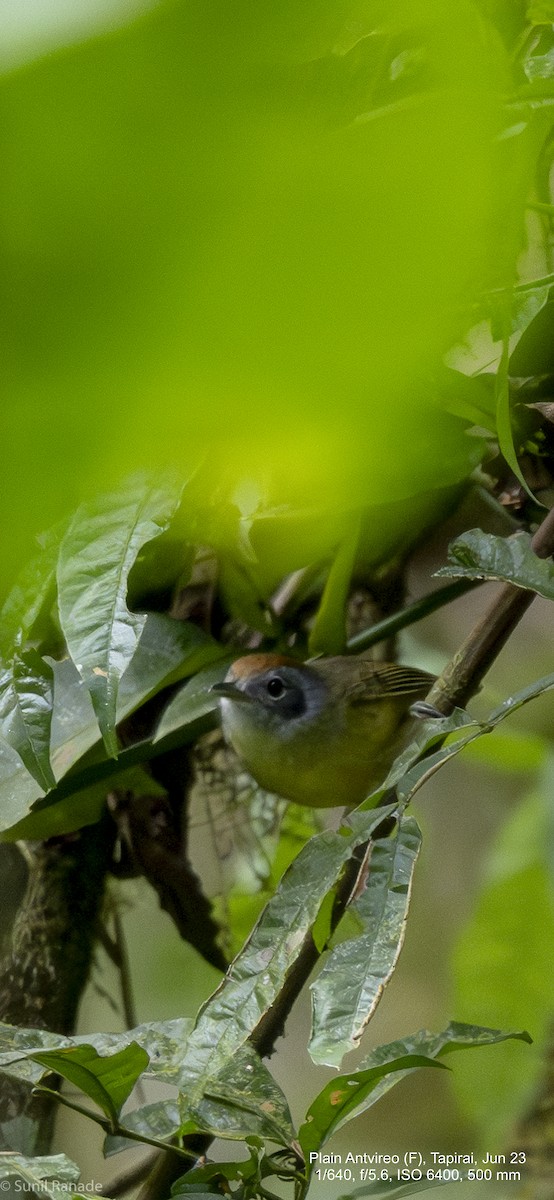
321 733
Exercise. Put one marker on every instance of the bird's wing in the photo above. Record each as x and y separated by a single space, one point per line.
388 679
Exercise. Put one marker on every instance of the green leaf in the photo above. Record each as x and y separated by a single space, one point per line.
194 699
346 1095
290 343
328 633
161 1121
167 651
108 1081
96 556
355 974
240 1101
247 1169
244 1100
73 812
54 1168
18 789
162 1040
456 1036
26 698
30 594
503 407
256 976
478 555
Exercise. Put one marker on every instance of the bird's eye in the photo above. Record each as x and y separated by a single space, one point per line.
275 688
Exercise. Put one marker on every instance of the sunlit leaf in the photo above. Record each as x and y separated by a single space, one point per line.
227 290
345 1094
256 976
168 651
30 593
96 556
478 555
356 972
194 699
38 1173
26 701
107 1080
540 12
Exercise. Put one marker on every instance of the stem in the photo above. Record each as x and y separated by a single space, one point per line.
113 1127
41 1090
408 616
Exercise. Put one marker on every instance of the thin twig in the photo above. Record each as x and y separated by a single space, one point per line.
408 616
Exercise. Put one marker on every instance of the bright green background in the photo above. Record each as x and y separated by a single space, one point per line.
245 231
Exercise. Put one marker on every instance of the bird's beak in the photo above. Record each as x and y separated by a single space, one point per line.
230 691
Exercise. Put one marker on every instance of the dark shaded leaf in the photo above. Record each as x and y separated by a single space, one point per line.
504 426
78 809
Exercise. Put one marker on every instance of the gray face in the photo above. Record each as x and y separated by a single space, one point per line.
284 695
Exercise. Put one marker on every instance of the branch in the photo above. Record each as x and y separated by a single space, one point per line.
47 964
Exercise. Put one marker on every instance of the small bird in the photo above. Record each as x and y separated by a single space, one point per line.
322 733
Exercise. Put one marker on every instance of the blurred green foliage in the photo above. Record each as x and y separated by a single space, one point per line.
246 233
